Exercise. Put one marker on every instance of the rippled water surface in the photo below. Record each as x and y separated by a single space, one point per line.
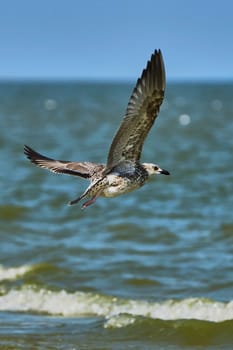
148 270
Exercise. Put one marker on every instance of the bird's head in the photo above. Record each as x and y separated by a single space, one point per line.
154 169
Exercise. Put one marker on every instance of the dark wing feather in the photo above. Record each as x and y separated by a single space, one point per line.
143 108
82 169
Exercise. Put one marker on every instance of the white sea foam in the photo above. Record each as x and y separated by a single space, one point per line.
12 273
114 309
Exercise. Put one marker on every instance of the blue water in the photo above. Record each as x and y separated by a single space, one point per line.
151 269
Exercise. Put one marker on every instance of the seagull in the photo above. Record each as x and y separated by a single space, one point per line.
123 171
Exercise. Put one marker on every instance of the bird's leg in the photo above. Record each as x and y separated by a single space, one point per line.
86 204
89 202
79 198
75 201
93 191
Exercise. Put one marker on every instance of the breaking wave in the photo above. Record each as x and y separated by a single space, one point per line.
118 311
12 273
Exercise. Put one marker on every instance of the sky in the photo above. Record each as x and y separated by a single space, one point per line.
113 39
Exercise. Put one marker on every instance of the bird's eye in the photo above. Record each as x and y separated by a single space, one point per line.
155 167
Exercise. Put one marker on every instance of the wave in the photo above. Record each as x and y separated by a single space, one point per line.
12 273
175 334
118 312
188 323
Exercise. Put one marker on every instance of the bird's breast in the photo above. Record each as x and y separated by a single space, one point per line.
118 185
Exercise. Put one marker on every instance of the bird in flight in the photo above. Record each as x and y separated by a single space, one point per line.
123 171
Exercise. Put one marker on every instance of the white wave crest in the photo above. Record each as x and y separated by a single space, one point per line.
12 273
90 304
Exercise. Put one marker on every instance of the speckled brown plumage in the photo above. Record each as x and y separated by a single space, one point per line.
123 172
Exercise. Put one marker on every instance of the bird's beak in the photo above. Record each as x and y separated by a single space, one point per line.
164 172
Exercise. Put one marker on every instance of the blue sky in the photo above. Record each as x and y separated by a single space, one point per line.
113 39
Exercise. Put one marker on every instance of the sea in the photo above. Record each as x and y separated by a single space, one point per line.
152 269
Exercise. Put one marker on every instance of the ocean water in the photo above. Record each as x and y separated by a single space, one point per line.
152 269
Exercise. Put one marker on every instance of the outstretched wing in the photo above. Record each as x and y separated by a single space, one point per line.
82 169
142 110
